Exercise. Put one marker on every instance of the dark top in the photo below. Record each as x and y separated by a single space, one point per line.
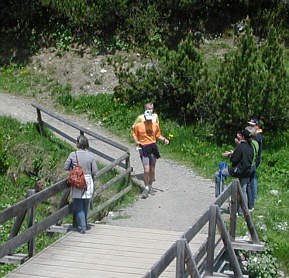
241 159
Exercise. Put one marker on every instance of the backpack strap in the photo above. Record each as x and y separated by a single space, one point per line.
76 158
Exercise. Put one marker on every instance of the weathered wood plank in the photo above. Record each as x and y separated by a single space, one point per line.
105 253
248 217
30 221
111 228
108 252
101 259
95 246
100 230
228 245
108 241
180 263
14 259
224 196
233 209
247 245
216 275
164 261
211 241
60 272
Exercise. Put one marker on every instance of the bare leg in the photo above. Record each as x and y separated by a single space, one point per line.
152 175
146 175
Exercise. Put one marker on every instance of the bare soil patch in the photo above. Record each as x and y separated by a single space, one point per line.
84 72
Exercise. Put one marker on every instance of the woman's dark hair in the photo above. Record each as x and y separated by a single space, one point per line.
82 142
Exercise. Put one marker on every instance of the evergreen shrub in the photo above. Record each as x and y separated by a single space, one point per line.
252 81
175 80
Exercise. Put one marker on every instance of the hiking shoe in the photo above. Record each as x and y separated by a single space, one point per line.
145 194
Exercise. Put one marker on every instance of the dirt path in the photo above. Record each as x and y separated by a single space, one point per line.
179 196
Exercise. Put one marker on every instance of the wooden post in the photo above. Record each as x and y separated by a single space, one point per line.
191 264
63 201
180 263
228 245
211 241
248 218
40 123
233 209
30 221
127 166
17 224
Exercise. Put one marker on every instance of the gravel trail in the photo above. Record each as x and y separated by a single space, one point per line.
179 196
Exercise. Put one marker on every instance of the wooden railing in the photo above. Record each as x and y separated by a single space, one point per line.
28 205
207 259
82 131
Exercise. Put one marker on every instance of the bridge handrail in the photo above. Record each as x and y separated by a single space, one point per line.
180 249
20 208
81 129
26 206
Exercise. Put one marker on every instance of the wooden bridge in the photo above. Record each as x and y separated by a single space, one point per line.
104 251
203 250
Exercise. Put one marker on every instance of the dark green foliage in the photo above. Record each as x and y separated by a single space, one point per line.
149 24
176 81
252 82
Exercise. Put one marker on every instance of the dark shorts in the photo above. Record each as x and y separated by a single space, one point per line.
150 159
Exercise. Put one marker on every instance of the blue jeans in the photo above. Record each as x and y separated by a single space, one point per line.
252 188
80 207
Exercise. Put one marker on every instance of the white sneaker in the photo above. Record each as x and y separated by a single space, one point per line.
145 193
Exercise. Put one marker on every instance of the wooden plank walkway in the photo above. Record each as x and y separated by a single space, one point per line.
105 251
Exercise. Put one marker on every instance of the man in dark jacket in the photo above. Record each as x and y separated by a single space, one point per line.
241 159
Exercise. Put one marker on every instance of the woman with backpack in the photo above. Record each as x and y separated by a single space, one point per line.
81 192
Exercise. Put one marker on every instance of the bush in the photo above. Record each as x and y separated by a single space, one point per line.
261 265
177 81
252 81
